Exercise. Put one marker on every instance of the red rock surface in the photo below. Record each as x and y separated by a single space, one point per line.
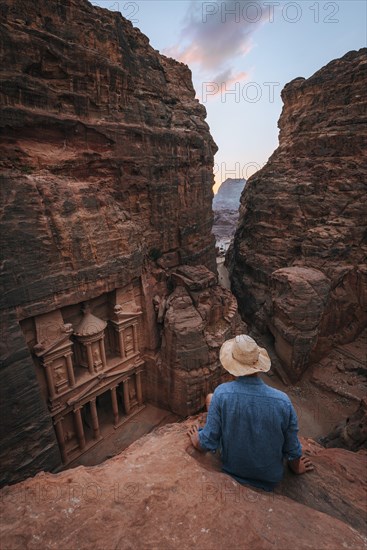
344 370
199 316
106 176
337 486
352 433
161 493
298 259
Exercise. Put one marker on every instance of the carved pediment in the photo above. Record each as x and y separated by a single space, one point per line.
121 314
52 334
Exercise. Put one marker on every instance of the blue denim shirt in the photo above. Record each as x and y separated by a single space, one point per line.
256 427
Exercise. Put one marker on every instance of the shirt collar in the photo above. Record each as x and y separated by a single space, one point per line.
250 380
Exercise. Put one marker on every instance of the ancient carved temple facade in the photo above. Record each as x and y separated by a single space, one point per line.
88 363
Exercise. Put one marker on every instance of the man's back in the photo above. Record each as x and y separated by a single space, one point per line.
256 427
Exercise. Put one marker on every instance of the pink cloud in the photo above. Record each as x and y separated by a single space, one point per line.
215 36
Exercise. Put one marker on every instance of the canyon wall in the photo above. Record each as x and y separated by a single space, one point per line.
106 181
297 263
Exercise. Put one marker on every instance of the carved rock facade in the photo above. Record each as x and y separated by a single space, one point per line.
298 258
106 175
89 369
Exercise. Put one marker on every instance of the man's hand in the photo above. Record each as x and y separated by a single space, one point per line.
193 434
300 465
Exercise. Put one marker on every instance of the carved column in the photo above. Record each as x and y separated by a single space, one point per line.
121 343
135 336
50 380
139 393
61 439
126 395
79 428
94 415
90 357
102 352
69 366
115 406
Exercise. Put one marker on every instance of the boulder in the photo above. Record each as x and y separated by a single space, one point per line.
350 434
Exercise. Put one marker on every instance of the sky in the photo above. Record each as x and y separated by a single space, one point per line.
241 54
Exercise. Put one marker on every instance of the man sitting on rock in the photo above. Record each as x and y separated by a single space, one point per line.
255 426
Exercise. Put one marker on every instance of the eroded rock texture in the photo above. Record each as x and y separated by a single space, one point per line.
352 432
106 180
343 371
298 259
162 493
200 316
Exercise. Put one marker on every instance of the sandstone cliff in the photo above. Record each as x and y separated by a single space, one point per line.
225 205
106 179
229 194
161 493
298 259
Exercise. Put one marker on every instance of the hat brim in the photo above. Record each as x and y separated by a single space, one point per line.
236 368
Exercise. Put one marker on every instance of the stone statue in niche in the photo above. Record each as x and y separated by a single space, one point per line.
97 358
132 391
69 435
118 309
67 328
58 375
39 348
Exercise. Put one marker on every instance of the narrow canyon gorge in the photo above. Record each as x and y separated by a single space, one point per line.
111 301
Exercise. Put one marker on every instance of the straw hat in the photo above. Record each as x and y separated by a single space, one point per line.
242 356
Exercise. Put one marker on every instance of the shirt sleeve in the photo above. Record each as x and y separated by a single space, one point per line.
292 447
210 435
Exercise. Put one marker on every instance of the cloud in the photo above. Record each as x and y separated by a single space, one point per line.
215 35
222 84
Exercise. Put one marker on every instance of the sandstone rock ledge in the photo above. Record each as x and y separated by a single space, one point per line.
160 493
